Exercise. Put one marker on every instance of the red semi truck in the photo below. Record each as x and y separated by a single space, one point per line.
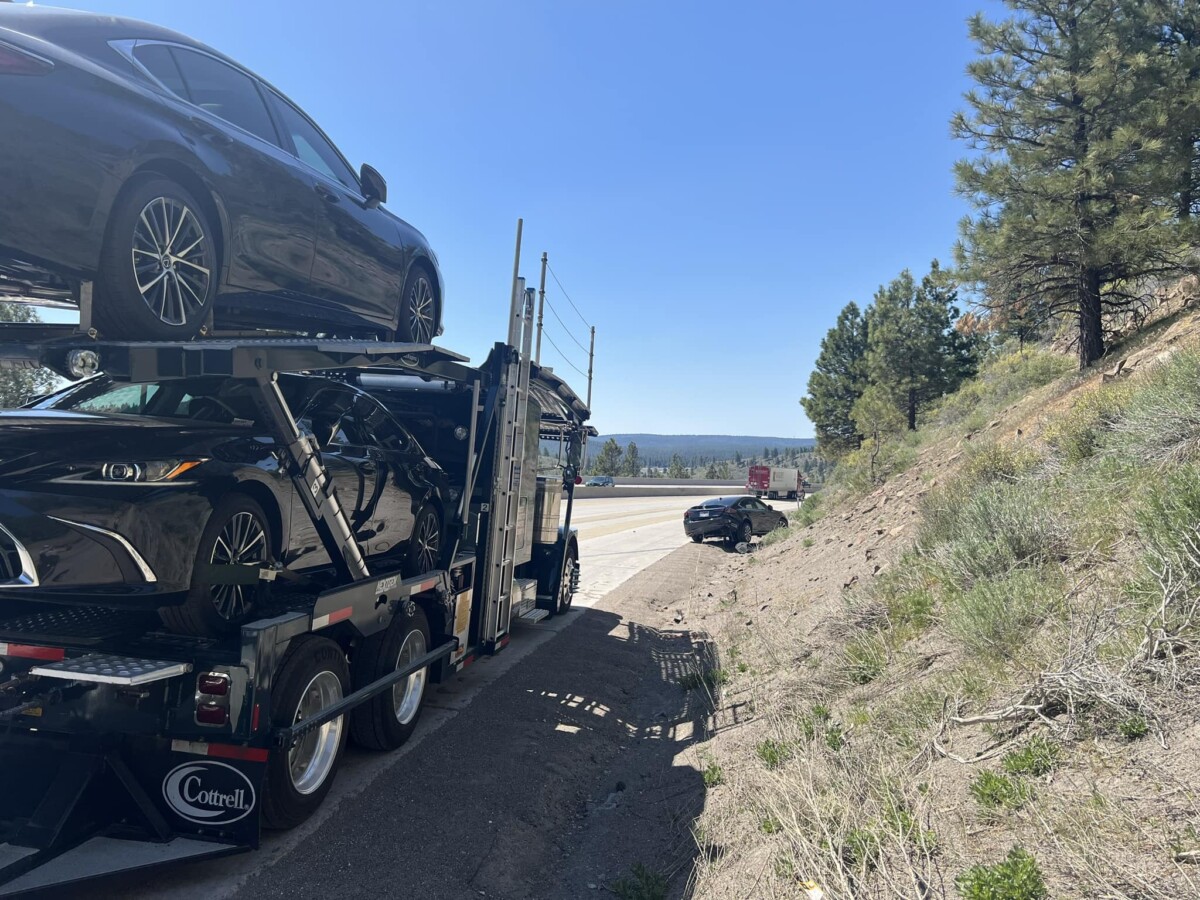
775 482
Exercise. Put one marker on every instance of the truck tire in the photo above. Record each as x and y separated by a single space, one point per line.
562 602
388 719
313 677
698 538
238 531
158 269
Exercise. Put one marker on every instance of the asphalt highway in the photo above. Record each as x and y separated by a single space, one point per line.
619 538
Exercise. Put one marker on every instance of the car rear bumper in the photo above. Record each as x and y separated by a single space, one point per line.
714 527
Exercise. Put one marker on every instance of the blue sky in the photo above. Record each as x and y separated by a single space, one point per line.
712 182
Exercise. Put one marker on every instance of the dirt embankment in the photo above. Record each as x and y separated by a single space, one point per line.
861 749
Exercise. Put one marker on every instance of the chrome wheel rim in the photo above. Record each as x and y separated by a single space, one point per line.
243 541
311 760
564 589
420 307
172 261
406 695
428 544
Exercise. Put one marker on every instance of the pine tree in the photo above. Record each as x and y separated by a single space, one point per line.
19 386
838 380
608 460
1176 24
1063 177
914 353
677 468
632 464
737 457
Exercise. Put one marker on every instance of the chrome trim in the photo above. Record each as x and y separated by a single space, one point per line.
28 576
143 566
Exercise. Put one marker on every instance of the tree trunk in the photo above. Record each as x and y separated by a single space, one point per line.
1091 327
912 409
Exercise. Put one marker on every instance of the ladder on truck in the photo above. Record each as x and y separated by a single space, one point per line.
506 594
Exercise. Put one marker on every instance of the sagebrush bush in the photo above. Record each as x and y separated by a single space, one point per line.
1160 422
996 616
1078 433
999 462
985 530
1009 374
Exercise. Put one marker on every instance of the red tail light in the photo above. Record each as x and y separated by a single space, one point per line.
213 683
26 651
211 714
18 62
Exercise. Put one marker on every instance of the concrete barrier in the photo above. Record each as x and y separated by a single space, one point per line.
622 490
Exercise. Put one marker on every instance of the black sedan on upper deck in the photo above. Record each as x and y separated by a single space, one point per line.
127 495
736 519
184 185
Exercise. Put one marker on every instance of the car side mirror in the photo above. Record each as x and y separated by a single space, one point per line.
769 506
374 188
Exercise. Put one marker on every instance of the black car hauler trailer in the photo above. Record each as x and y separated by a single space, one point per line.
123 746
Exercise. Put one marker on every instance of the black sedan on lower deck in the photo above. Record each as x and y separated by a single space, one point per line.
127 495
186 187
734 519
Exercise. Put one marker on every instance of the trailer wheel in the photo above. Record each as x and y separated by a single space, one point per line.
425 543
565 593
387 720
238 533
158 268
313 677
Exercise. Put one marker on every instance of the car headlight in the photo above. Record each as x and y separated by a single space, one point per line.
147 472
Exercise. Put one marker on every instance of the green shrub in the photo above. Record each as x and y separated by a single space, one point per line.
1038 757
809 512
980 530
994 791
713 774
768 824
773 753
1017 877
865 658
996 616
860 849
1161 421
1078 433
1009 374
999 462
1134 728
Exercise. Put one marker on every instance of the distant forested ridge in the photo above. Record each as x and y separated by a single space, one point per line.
657 449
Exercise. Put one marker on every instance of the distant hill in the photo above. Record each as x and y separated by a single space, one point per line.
657 449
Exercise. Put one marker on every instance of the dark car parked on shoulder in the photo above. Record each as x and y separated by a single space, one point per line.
126 495
182 185
735 519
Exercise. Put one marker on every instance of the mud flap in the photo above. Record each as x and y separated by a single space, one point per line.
70 812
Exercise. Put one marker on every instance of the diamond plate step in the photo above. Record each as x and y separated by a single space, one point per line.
108 669
534 615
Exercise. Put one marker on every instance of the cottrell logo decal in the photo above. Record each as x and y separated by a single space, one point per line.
209 793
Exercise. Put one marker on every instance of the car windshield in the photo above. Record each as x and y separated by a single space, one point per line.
220 400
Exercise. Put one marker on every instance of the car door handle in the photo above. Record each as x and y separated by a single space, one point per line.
325 193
